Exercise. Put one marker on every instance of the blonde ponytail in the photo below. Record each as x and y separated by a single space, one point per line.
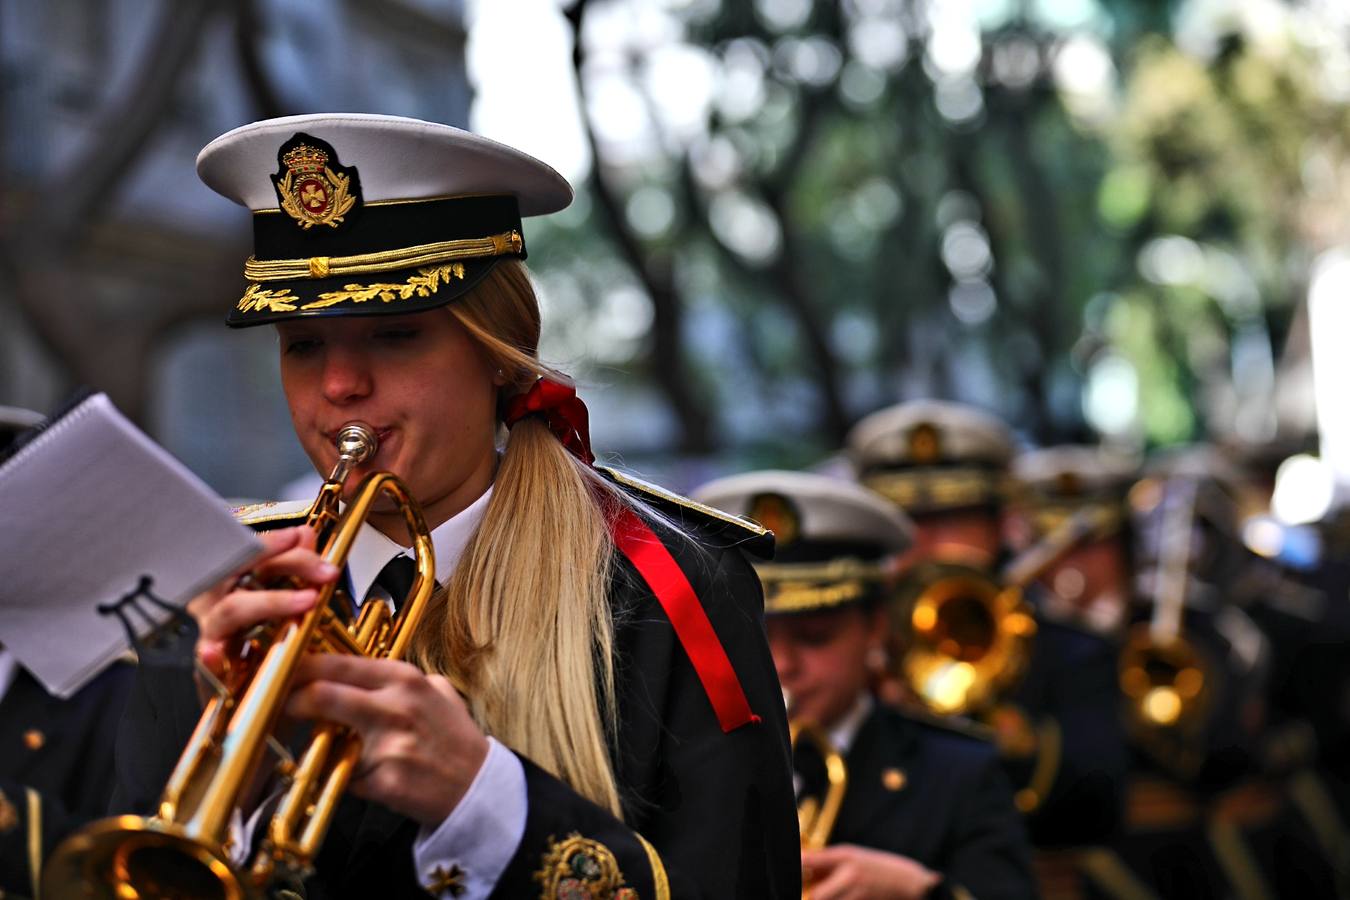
525 623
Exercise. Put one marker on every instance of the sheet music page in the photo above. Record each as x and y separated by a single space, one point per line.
90 509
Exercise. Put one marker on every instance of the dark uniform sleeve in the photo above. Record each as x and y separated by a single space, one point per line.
1071 691
988 849
56 770
708 813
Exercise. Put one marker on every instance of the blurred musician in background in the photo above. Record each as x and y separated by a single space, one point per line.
56 756
946 465
1222 800
1091 582
928 811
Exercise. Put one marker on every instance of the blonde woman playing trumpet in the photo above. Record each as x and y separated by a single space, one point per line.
590 709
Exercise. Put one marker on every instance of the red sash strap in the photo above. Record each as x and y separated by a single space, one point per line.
667 581
559 405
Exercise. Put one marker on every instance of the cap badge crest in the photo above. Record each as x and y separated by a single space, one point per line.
778 514
312 186
924 444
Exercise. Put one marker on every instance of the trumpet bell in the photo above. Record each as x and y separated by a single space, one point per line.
136 858
1164 681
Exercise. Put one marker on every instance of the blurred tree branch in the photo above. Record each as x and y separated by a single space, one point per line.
248 32
655 269
59 284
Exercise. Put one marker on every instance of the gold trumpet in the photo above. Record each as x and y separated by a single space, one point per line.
816 815
182 850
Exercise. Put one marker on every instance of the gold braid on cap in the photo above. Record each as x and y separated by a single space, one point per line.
259 271
835 570
791 587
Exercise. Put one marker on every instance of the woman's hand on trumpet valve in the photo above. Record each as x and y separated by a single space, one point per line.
234 606
420 748
848 872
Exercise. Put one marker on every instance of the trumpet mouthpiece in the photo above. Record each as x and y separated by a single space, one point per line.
357 441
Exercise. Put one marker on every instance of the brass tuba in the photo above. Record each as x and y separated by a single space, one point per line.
181 851
966 634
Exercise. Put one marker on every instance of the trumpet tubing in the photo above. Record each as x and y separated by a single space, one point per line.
182 850
817 815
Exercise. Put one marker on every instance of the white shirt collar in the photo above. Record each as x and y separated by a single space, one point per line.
846 729
371 549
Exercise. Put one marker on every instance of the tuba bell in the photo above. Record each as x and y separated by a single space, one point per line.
181 850
966 634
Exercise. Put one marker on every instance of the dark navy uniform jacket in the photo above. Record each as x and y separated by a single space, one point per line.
56 767
1071 684
939 797
717 807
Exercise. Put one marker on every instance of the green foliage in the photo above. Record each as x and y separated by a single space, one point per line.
936 241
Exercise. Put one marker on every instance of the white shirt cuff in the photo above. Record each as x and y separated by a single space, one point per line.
477 839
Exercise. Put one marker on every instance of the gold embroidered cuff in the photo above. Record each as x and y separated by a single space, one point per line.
659 878
578 867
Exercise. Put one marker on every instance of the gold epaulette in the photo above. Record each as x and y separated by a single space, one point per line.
956 724
744 529
255 514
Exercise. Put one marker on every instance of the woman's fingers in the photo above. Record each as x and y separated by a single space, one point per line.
241 610
420 748
300 561
358 671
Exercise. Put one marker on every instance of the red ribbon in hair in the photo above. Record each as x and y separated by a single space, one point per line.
559 405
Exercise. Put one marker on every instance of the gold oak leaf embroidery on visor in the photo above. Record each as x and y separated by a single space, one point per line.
425 283
260 299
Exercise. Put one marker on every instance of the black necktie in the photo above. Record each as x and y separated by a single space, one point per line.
397 577
810 768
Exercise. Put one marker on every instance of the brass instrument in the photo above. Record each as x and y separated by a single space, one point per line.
816 815
966 633
967 637
1164 677
182 850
